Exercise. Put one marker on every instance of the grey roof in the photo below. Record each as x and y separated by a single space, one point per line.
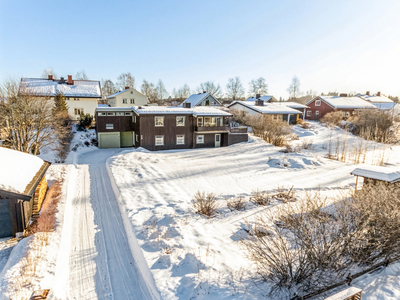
379 173
120 92
197 98
344 102
264 98
46 87
164 110
267 108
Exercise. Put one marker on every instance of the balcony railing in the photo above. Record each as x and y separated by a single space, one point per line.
242 129
212 128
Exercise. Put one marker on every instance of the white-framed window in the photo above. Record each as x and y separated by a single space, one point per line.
79 111
102 114
317 112
309 112
180 121
125 101
200 121
131 92
159 121
109 126
200 139
76 99
111 114
317 102
347 114
137 138
119 113
159 140
180 139
133 119
128 114
132 101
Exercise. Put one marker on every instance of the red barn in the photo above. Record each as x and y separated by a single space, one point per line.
321 105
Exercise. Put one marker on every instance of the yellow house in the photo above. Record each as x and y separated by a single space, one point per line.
127 98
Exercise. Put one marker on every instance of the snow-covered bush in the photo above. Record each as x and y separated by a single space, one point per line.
205 204
272 131
333 118
260 198
237 203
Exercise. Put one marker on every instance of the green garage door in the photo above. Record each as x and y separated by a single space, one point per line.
5 221
109 140
127 139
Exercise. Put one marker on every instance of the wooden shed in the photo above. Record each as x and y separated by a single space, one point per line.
373 175
22 189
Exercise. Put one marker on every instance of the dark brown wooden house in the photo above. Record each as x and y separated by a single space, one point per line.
163 128
19 179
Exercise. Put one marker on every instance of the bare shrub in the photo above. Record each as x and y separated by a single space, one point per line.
237 203
285 195
205 204
272 131
333 118
307 144
240 116
260 198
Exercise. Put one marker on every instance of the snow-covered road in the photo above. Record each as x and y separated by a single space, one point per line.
101 264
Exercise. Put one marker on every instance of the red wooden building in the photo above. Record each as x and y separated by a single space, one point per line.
321 105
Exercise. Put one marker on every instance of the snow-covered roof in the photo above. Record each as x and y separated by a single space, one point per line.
345 102
385 106
46 87
267 108
293 104
379 173
376 99
17 169
120 92
198 110
197 98
102 105
345 294
264 98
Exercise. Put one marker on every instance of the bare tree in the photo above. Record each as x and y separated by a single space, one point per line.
149 90
108 88
161 90
258 86
234 88
81 75
47 72
211 87
124 80
294 88
182 93
28 120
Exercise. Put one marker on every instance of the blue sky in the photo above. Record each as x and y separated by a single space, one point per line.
329 45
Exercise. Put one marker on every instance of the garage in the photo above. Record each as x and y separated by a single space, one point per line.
127 139
5 220
109 140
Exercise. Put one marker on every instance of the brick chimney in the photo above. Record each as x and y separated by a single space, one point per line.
258 96
50 77
368 93
378 94
127 87
70 81
259 102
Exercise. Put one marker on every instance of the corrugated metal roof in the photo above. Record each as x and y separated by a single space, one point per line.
268 108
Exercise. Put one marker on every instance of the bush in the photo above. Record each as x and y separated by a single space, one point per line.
236 203
260 198
205 204
272 131
333 118
372 125
84 122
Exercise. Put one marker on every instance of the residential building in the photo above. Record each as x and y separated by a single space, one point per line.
164 128
22 189
382 102
265 98
82 96
201 99
127 98
321 105
276 110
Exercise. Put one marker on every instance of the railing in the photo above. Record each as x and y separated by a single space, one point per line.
212 128
239 129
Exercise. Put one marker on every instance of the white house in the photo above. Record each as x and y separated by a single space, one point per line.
381 102
127 98
201 99
265 98
82 96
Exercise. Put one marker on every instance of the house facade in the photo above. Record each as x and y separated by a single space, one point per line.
265 98
81 96
201 99
321 105
22 189
127 98
277 111
163 128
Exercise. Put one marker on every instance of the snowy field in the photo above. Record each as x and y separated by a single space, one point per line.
194 257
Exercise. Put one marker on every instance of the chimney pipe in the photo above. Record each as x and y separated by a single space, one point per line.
259 102
127 87
368 93
70 81
50 77
204 92
258 96
378 94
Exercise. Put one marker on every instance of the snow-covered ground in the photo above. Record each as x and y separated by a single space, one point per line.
194 257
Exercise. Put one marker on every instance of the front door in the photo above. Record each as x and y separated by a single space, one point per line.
218 140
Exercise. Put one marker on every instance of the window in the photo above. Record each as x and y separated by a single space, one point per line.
159 121
76 99
102 114
317 112
180 139
124 101
132 101
131 92
79 111
309 113
200 121
109 126
119 113
317 102
137 138
111 114
207 121
180 121
347 114
128 114
159 140
134 119
200 139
